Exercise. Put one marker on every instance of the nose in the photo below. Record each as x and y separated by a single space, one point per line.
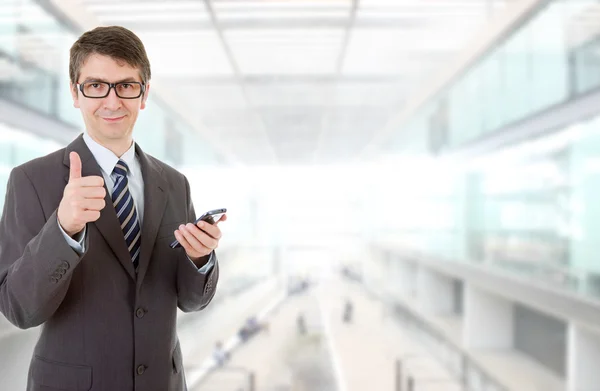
112 102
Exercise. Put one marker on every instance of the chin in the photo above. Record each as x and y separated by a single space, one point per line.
115 133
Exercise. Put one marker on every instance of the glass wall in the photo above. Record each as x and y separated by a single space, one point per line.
531 209
17 147
34 72
34 58
550 58
539 215
524 216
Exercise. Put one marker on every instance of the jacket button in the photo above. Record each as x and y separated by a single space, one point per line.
65 265
54 279
140 313
141 369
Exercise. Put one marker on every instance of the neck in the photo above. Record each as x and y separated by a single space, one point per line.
117 146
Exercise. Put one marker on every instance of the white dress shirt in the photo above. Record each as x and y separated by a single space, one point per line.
107 160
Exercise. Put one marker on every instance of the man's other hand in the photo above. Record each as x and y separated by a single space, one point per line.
199 240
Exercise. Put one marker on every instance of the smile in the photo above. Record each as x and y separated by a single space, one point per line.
116 119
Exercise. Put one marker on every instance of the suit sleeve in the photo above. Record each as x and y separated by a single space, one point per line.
194 290
36 262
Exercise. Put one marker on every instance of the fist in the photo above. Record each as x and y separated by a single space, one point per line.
82 200
199 240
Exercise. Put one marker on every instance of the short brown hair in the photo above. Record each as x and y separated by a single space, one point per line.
116 42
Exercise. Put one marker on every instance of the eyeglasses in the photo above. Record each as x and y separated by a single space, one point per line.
100 89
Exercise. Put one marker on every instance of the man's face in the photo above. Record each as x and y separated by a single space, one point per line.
110 119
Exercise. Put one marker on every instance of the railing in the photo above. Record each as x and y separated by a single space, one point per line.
471 376
209 367
457 360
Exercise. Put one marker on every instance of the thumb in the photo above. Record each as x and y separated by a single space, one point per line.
75 170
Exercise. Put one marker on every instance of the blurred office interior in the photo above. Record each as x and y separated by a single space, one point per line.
412 185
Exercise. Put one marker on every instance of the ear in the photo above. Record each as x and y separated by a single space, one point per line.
145 96
74 95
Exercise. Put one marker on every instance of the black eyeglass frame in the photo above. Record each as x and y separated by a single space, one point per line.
110 86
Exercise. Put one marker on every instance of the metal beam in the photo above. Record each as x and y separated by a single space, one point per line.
237 73
24 118
273 24
347 32
287 79
338 72
553 119
498 30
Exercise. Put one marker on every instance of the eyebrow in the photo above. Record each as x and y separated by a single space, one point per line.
127 79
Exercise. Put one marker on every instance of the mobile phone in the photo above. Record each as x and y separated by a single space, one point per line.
211 217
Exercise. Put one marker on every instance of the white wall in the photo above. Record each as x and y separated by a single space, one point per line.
488 320
583 359
435 292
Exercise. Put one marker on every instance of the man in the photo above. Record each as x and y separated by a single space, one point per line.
84 239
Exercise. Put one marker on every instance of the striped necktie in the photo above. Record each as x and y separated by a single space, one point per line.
125 208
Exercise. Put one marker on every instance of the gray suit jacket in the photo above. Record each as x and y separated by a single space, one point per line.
104 327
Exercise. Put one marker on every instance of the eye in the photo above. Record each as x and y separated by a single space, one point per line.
95 85
125 85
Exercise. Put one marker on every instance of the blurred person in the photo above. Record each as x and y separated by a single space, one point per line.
85 233
301 324
220 355
348 311
251 327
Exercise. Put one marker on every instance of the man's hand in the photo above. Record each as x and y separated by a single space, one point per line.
83 199
199 240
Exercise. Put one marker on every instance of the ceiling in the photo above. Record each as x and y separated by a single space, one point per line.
296 81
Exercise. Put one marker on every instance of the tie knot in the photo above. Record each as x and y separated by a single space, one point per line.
121 168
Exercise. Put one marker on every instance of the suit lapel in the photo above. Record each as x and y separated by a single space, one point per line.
108 223
155 201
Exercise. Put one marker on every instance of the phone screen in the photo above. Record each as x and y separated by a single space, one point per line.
212 219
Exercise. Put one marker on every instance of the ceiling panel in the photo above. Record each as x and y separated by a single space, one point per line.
298 122
397 51
289 94
231 122
300 80
285 51
207 96
186 53
278 5
348 130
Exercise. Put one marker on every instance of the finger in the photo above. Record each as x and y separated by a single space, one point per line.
198 239
92 192
210 229
91 181
205 238
90 215
93 204
184 243
194 237
185 240
75 166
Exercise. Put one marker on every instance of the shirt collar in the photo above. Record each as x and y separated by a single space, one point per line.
106 158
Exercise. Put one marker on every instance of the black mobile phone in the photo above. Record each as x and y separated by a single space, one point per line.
211 217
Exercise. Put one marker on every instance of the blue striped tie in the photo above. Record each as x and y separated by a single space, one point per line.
125 208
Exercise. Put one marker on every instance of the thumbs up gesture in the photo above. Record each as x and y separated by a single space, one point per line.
83 199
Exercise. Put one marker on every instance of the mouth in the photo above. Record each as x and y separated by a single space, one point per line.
115 119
